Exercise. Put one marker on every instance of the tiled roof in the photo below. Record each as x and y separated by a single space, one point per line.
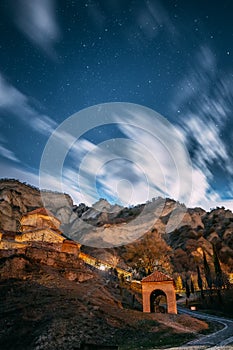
157 276
41 211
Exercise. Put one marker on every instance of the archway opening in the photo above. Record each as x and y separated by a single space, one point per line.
158 301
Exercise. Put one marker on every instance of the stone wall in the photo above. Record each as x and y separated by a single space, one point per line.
54 258
44 235
15 263
11 245
70 247
38 221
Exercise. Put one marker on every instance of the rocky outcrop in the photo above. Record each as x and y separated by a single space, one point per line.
186 231
19 263
16 199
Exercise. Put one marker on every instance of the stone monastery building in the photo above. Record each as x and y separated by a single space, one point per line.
42 226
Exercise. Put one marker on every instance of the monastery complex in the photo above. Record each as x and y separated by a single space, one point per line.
40 227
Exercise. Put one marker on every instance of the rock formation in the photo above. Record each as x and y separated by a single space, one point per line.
103 224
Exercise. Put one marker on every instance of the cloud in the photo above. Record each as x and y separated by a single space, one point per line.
204 90
14 101
65 185
149 20
227 203
124 181
148 161
101 172
203 100
152 18
43 124
164 157
10 96
16 171
36 20
151 160
208 146
31 176
8 154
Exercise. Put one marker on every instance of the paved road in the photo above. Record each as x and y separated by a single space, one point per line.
222 339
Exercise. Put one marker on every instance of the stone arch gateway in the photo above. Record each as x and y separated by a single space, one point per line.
158 301
158 284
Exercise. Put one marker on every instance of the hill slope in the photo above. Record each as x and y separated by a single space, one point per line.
62 305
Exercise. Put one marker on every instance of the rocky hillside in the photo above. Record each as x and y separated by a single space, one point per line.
183 232
52 300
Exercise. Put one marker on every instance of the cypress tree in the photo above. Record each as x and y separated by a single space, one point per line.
192 287
199 281
187 289
207 272
187 292
218 273
179 284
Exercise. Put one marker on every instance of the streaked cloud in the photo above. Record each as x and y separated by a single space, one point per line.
203 100
17 103
154 18
149 161
17 171
37 21
44 124
29 175
8 154
208 145
9 95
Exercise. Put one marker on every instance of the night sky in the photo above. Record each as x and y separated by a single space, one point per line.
174 57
